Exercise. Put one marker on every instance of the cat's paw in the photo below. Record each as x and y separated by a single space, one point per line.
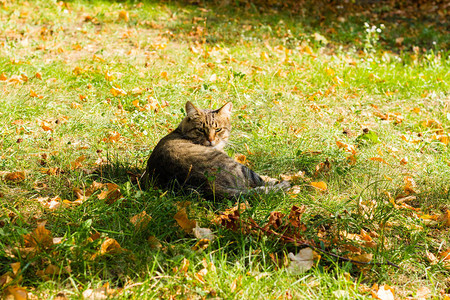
284 186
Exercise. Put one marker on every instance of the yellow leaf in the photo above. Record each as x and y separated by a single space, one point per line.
240 158
135 103
346 147
378 159
110 246
264 56
330 71
77 163
17 293
75 105
15 267
109 76
117 92
3 77
123 15
183 221
45 125
164 75
320 185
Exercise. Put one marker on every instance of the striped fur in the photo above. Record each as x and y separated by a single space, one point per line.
192 156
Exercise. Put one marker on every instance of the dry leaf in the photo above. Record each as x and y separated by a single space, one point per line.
203 233
123 15
410 185
140 221
15 176
39 237
384 292
117 92
154 242
302 262
111 194
77 163
423 293
240 158
16 292
184 222
320 185
110 246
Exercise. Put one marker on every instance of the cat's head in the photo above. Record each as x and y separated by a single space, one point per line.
207 127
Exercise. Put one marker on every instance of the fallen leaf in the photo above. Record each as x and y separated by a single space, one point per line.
184 222
110 246
141 220
17 293
240 158
384 292
123 15
423 293
111 194
410 185
41 237
320 185
117 92
203 233
15 176
154 242
301 262
77 163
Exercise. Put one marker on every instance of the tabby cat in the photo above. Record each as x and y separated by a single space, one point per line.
192 156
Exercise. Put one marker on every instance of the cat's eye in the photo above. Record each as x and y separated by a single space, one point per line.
218 129
201 130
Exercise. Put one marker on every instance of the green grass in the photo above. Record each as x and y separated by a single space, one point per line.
293 94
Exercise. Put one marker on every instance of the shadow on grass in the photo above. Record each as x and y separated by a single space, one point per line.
406 24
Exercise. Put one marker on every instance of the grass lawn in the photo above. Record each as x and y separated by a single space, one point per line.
350 103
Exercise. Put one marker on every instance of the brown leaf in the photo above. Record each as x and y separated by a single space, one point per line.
41 237
183 221
295 215
154 242
111 194
110 246
16 292
77 163
140 221
15 176
410 185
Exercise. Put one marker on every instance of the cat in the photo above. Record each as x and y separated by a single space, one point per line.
192 156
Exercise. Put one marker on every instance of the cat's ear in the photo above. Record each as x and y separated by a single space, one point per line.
226 109
191 110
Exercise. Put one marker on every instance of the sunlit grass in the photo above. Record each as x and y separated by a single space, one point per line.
294 97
